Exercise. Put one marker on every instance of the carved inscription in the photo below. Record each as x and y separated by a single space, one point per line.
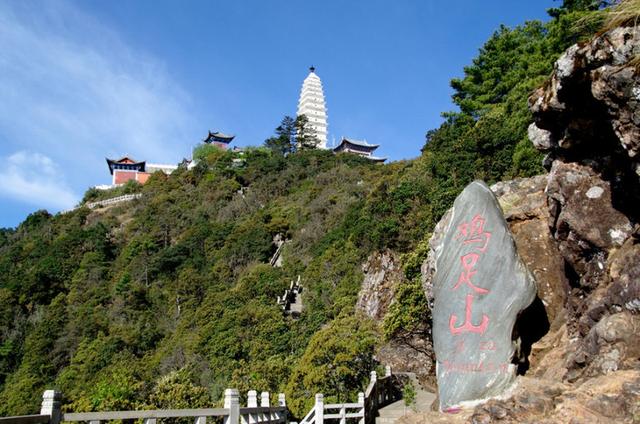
473 235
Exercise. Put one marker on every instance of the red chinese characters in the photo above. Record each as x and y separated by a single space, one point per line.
471 234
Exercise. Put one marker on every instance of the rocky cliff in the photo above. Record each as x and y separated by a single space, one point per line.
576 228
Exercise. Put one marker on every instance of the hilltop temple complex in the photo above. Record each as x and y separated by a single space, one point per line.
128 169
311 104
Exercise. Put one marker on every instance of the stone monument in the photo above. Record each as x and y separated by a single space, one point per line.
480 286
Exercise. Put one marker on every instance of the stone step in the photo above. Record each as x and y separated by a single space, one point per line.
383 420
395 413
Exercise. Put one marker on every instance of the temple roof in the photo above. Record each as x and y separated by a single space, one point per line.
362 143
127 162
218 137
358 143
126 159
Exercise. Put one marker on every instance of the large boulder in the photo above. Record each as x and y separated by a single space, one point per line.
524 203
480 286
588 120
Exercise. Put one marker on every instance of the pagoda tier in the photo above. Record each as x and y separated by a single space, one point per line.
218 138
358 147
312 105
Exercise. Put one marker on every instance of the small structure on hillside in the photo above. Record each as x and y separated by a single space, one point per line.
127 169
218 139
358 147
291 300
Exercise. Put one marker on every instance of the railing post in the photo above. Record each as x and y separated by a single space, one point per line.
343 415
282 402
319 415
265 402
387 371
375 401
51 406
232 403
200 420
362 407
252 402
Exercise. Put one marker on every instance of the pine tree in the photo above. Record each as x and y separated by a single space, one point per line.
284 140
305 134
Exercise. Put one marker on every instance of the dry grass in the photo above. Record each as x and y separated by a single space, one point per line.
625 13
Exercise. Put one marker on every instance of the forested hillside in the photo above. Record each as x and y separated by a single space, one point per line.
167 300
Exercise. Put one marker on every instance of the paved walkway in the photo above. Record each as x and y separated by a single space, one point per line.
390 413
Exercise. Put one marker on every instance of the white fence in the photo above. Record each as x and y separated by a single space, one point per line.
105 202
124 198
231 413
379 393
335 411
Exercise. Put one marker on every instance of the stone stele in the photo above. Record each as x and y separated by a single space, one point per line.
480 286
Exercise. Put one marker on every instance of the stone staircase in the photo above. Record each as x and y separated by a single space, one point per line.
391 413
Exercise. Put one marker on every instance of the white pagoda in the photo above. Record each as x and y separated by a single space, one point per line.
311 104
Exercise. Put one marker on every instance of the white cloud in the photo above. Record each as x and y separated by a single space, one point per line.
34 178
73 90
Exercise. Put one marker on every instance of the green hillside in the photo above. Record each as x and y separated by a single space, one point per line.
167 300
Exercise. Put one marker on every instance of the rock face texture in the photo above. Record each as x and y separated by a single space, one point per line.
577 230
591 104
524 204
382 274
590 116
480 286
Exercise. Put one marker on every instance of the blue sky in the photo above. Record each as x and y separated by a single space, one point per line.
85 80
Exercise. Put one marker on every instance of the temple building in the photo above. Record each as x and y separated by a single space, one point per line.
360 148
127 169
311 104
218 139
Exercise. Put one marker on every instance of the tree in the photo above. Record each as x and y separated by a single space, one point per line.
284 140
337 363
578 5
305 134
